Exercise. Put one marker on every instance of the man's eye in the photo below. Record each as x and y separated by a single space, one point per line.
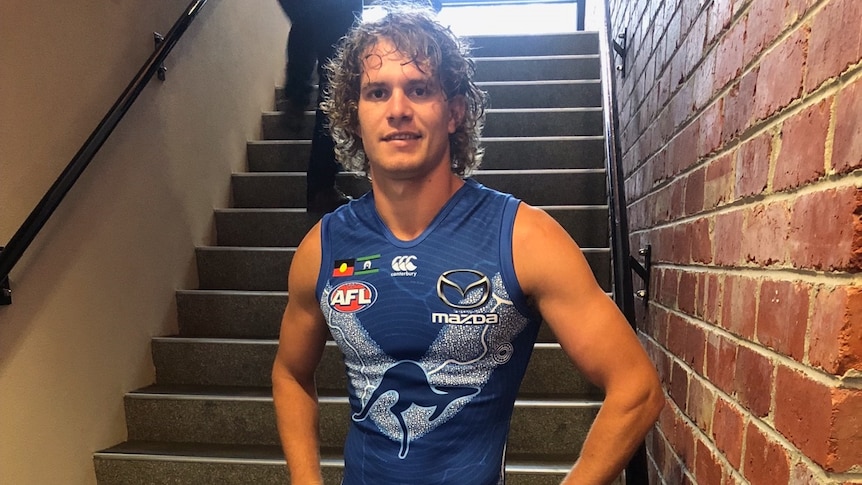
376 94
421 91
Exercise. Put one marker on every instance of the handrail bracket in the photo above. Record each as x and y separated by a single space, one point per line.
158 39
621 48
5 289
643 270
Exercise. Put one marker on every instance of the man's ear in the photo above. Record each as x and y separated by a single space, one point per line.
457 110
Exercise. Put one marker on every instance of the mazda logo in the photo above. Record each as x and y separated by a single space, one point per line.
463 281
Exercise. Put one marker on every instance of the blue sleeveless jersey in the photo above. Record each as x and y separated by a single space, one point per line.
436 335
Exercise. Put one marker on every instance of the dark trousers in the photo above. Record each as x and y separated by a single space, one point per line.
316 27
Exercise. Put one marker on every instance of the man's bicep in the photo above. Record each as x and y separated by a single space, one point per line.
303 328
557 277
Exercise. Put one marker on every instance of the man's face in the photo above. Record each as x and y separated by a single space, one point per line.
404 118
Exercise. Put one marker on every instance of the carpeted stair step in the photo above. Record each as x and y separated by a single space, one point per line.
265 269
245 416
247 362
535 187
498 123
501 153
233 314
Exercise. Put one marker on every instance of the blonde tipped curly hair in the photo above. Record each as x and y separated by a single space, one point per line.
416 34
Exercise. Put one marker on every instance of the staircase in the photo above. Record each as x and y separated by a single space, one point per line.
209 417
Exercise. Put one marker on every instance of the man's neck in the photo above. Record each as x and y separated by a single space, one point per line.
407 207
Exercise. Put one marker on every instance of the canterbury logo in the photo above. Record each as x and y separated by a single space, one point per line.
403 263
458 283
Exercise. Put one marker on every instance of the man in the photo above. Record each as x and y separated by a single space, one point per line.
433 286
315 28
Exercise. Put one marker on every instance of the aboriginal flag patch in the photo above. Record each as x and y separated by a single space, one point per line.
343 267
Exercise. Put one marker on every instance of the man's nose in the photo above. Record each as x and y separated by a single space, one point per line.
400 106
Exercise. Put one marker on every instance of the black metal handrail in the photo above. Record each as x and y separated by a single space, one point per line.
52 198
636 470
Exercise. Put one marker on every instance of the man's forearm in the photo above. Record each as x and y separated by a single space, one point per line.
614 436
297 416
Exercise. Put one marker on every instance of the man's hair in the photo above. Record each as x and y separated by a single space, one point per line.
417 35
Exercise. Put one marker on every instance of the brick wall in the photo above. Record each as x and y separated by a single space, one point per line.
741 126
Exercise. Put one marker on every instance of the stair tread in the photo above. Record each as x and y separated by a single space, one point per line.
325 395
269 453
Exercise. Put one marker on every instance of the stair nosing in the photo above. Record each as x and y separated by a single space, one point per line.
324 462
271 210
280 142
511 465
563 57
186 396
232 292
540 82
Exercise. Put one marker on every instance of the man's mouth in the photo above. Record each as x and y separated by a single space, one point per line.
402 135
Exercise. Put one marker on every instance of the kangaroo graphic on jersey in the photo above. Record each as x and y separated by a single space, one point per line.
419 392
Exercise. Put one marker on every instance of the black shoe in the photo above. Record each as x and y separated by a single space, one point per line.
293 115
327 201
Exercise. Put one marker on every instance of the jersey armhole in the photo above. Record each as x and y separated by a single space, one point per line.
507 264
325 259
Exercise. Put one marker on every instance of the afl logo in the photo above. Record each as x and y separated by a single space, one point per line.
352 297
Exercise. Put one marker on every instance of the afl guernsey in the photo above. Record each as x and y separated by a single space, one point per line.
436 335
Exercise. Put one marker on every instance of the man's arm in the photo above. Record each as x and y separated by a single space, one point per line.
300 346
596 337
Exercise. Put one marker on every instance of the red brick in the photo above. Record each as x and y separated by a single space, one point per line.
704 80
710 128
803 146
694 191
846 437
719 182
701 404
681 244
711 301
795 9
694 43
739 306
764 23
683 148
728 429
695 349
677 199
825 230
686 341
847 144
676 330
802 413
738 107
687 292
836 41
728 234
728 62
766 462
720 12
836 330
668 287
700 238
678 388
754 381
782 317
765 234
707 469
683 442
779 81
752 165
800 474
720 354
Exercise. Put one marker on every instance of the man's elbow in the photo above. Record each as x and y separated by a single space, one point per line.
652 401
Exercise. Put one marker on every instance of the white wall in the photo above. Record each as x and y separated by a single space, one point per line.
99 280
